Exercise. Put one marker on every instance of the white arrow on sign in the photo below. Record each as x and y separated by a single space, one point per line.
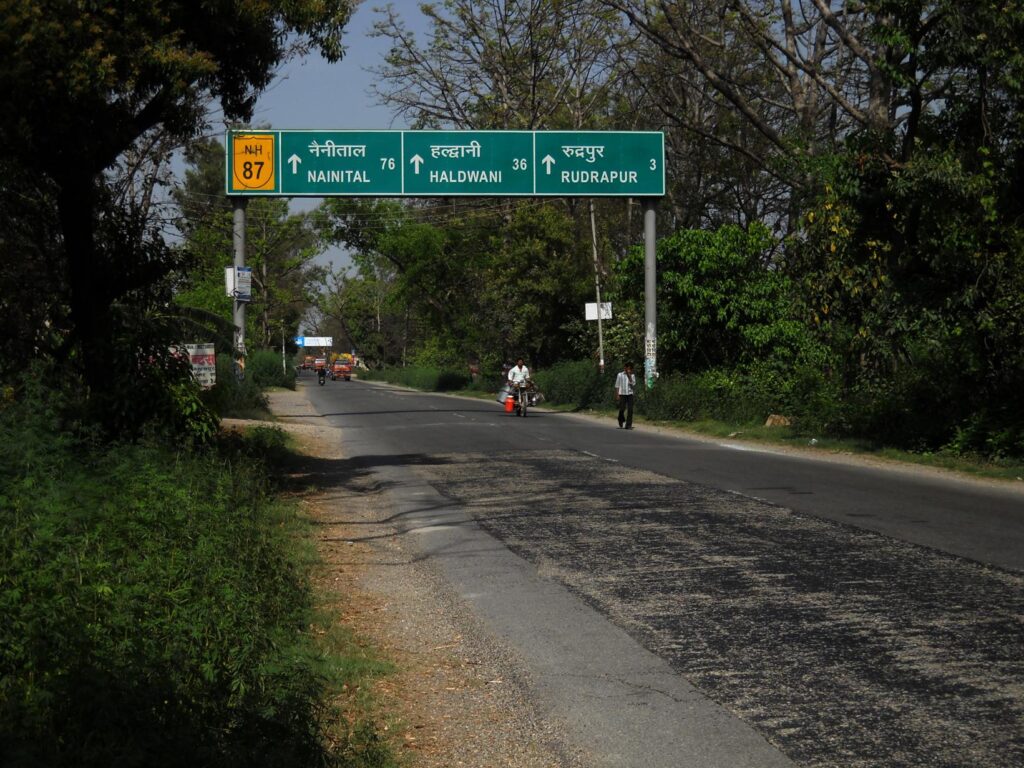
295 160
548 162
417 161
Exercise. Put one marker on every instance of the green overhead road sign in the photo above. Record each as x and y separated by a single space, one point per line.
591 163
322 163
482 163
325 163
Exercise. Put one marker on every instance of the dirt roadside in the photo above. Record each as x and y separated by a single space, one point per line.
459 697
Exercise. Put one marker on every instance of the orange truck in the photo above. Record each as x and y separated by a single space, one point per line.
341 368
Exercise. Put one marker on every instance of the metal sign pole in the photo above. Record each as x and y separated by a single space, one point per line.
238 237
650 295
597 289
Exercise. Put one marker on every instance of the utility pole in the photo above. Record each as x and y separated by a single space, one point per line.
238 238
597 289
650 295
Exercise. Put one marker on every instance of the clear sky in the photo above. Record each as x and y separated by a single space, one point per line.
311 93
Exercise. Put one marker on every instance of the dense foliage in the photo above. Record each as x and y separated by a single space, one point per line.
95 98
155 605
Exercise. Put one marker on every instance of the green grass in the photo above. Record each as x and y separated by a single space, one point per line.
158 609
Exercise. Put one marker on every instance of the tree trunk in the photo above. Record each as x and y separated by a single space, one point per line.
89 295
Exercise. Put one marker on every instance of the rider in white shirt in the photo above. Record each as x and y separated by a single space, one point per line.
518 373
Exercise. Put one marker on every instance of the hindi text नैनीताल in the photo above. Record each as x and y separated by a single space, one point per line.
330 149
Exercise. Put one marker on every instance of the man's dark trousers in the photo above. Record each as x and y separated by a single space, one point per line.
626 405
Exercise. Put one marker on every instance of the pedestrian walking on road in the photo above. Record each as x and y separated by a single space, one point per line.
624 384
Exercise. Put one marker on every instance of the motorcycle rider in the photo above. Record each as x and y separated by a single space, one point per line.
519 379
518 373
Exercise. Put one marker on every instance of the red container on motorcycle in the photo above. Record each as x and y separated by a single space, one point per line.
510 404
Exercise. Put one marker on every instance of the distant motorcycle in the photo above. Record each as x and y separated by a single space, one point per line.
321 376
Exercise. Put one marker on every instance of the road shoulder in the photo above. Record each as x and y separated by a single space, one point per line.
458 697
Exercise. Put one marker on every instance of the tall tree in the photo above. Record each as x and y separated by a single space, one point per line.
81 84
510 64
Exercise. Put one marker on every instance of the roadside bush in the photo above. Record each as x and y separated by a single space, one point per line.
577 383
264 366
816 403
748 397
154 607
916 407
697 397
424 378
231 398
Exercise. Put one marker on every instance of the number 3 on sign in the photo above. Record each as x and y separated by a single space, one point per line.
654 164
252 166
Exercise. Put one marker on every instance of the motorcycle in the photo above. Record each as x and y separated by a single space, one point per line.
321 376
518 399
521 395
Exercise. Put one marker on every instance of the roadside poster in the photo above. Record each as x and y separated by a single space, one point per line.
606 310
204 363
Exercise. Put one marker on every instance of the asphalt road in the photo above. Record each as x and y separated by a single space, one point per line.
684 603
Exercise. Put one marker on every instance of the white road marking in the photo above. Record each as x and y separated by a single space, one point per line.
602 458
748 448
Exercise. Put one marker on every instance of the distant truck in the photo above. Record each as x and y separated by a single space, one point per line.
341 368
307 363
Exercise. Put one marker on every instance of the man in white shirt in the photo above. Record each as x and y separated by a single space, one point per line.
518 373
624 384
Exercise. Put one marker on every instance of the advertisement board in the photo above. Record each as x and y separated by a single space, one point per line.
204 363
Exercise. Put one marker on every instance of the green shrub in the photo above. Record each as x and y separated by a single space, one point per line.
578 383
698 397
748 397
154 607
264 367
423 378
232 398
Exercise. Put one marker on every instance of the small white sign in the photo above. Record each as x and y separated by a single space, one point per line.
606 310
